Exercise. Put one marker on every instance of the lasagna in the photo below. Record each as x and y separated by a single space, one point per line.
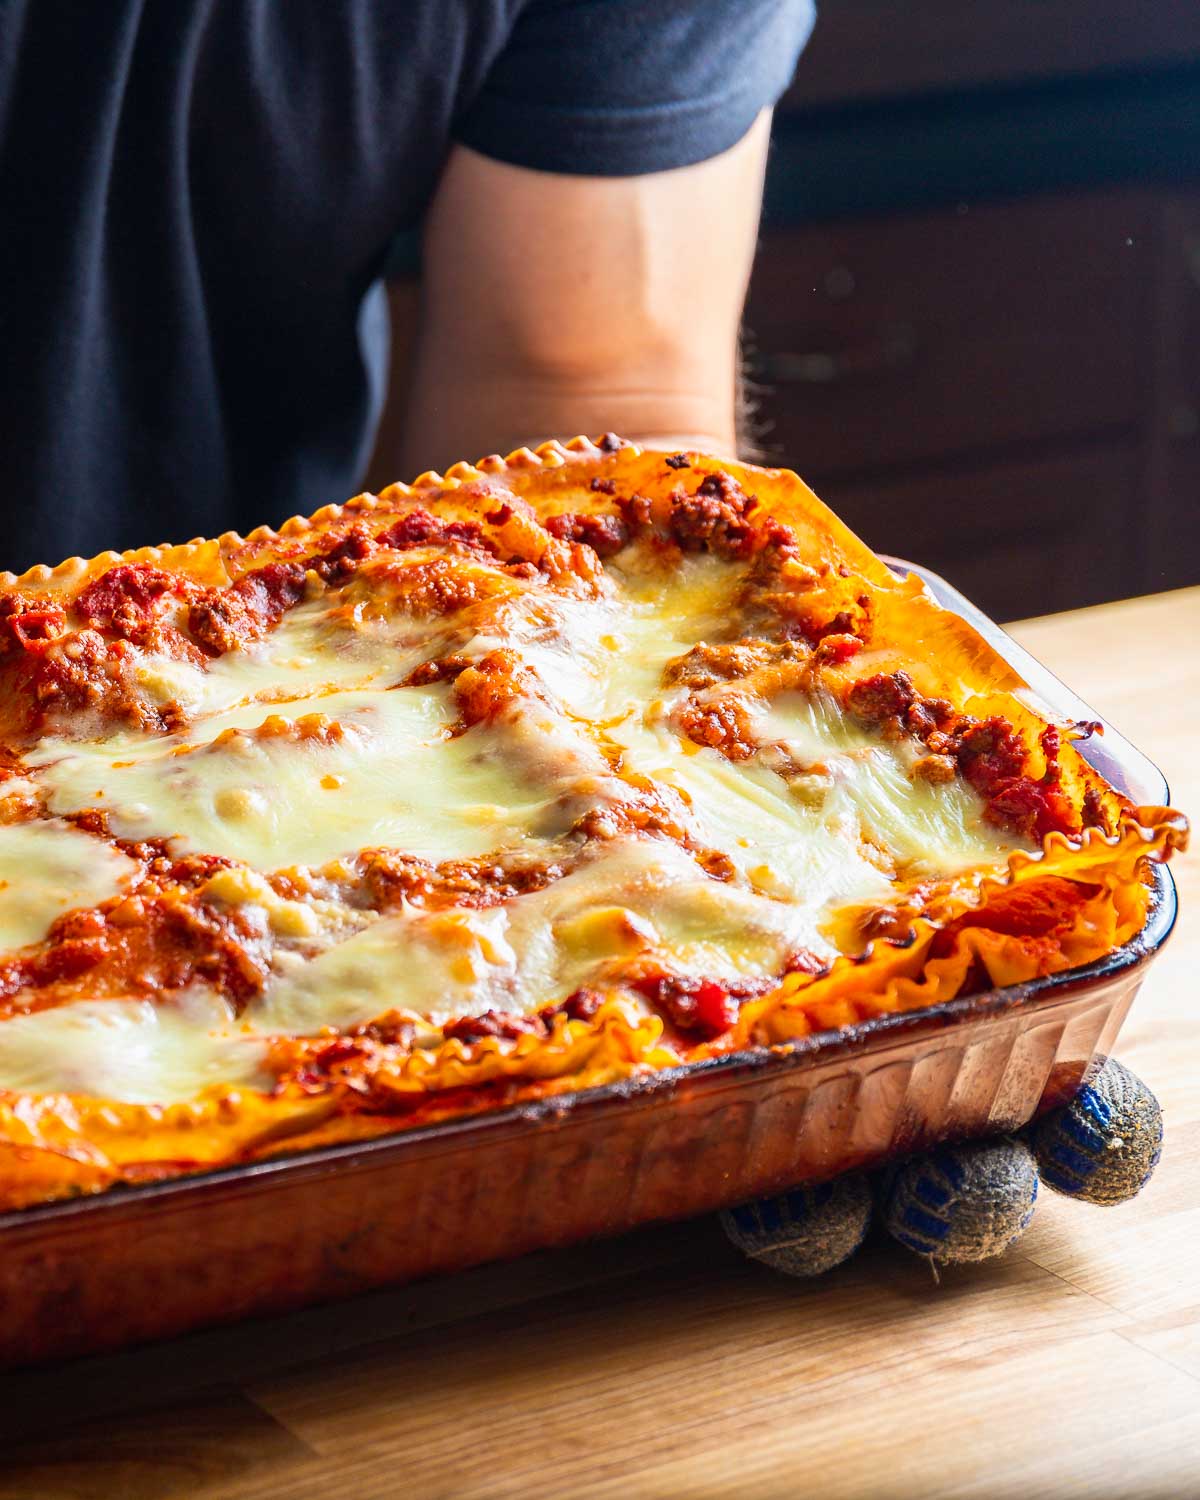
518 780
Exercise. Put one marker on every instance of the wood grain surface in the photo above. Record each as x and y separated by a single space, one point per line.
663 1364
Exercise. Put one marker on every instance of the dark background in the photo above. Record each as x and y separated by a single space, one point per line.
974 322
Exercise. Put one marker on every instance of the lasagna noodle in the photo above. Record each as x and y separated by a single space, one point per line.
625 681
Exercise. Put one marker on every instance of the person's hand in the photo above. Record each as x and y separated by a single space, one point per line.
968 1201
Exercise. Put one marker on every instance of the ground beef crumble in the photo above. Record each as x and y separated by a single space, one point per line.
989 754
606 535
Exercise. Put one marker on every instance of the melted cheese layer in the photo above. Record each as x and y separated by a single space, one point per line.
317 647
131 1050
636 897
48 868
837 834
603 658
393 777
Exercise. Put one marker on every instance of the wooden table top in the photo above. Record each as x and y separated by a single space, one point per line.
663 1364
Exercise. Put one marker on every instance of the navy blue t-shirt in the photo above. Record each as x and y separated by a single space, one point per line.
197 199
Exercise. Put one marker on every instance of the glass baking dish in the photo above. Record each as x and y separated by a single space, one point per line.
144 1262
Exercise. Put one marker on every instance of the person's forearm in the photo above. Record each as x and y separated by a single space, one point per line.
554 306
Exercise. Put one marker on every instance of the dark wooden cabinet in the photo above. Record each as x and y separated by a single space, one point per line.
1004 384
1010 394
872 49
1172 481
897 341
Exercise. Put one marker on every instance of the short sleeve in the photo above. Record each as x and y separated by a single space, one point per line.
617 88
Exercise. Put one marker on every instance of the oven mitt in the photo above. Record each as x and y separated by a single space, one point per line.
968 1201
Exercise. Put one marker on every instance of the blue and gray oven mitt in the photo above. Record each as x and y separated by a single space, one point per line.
968 1201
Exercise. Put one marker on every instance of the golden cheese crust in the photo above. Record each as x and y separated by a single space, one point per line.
515 780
